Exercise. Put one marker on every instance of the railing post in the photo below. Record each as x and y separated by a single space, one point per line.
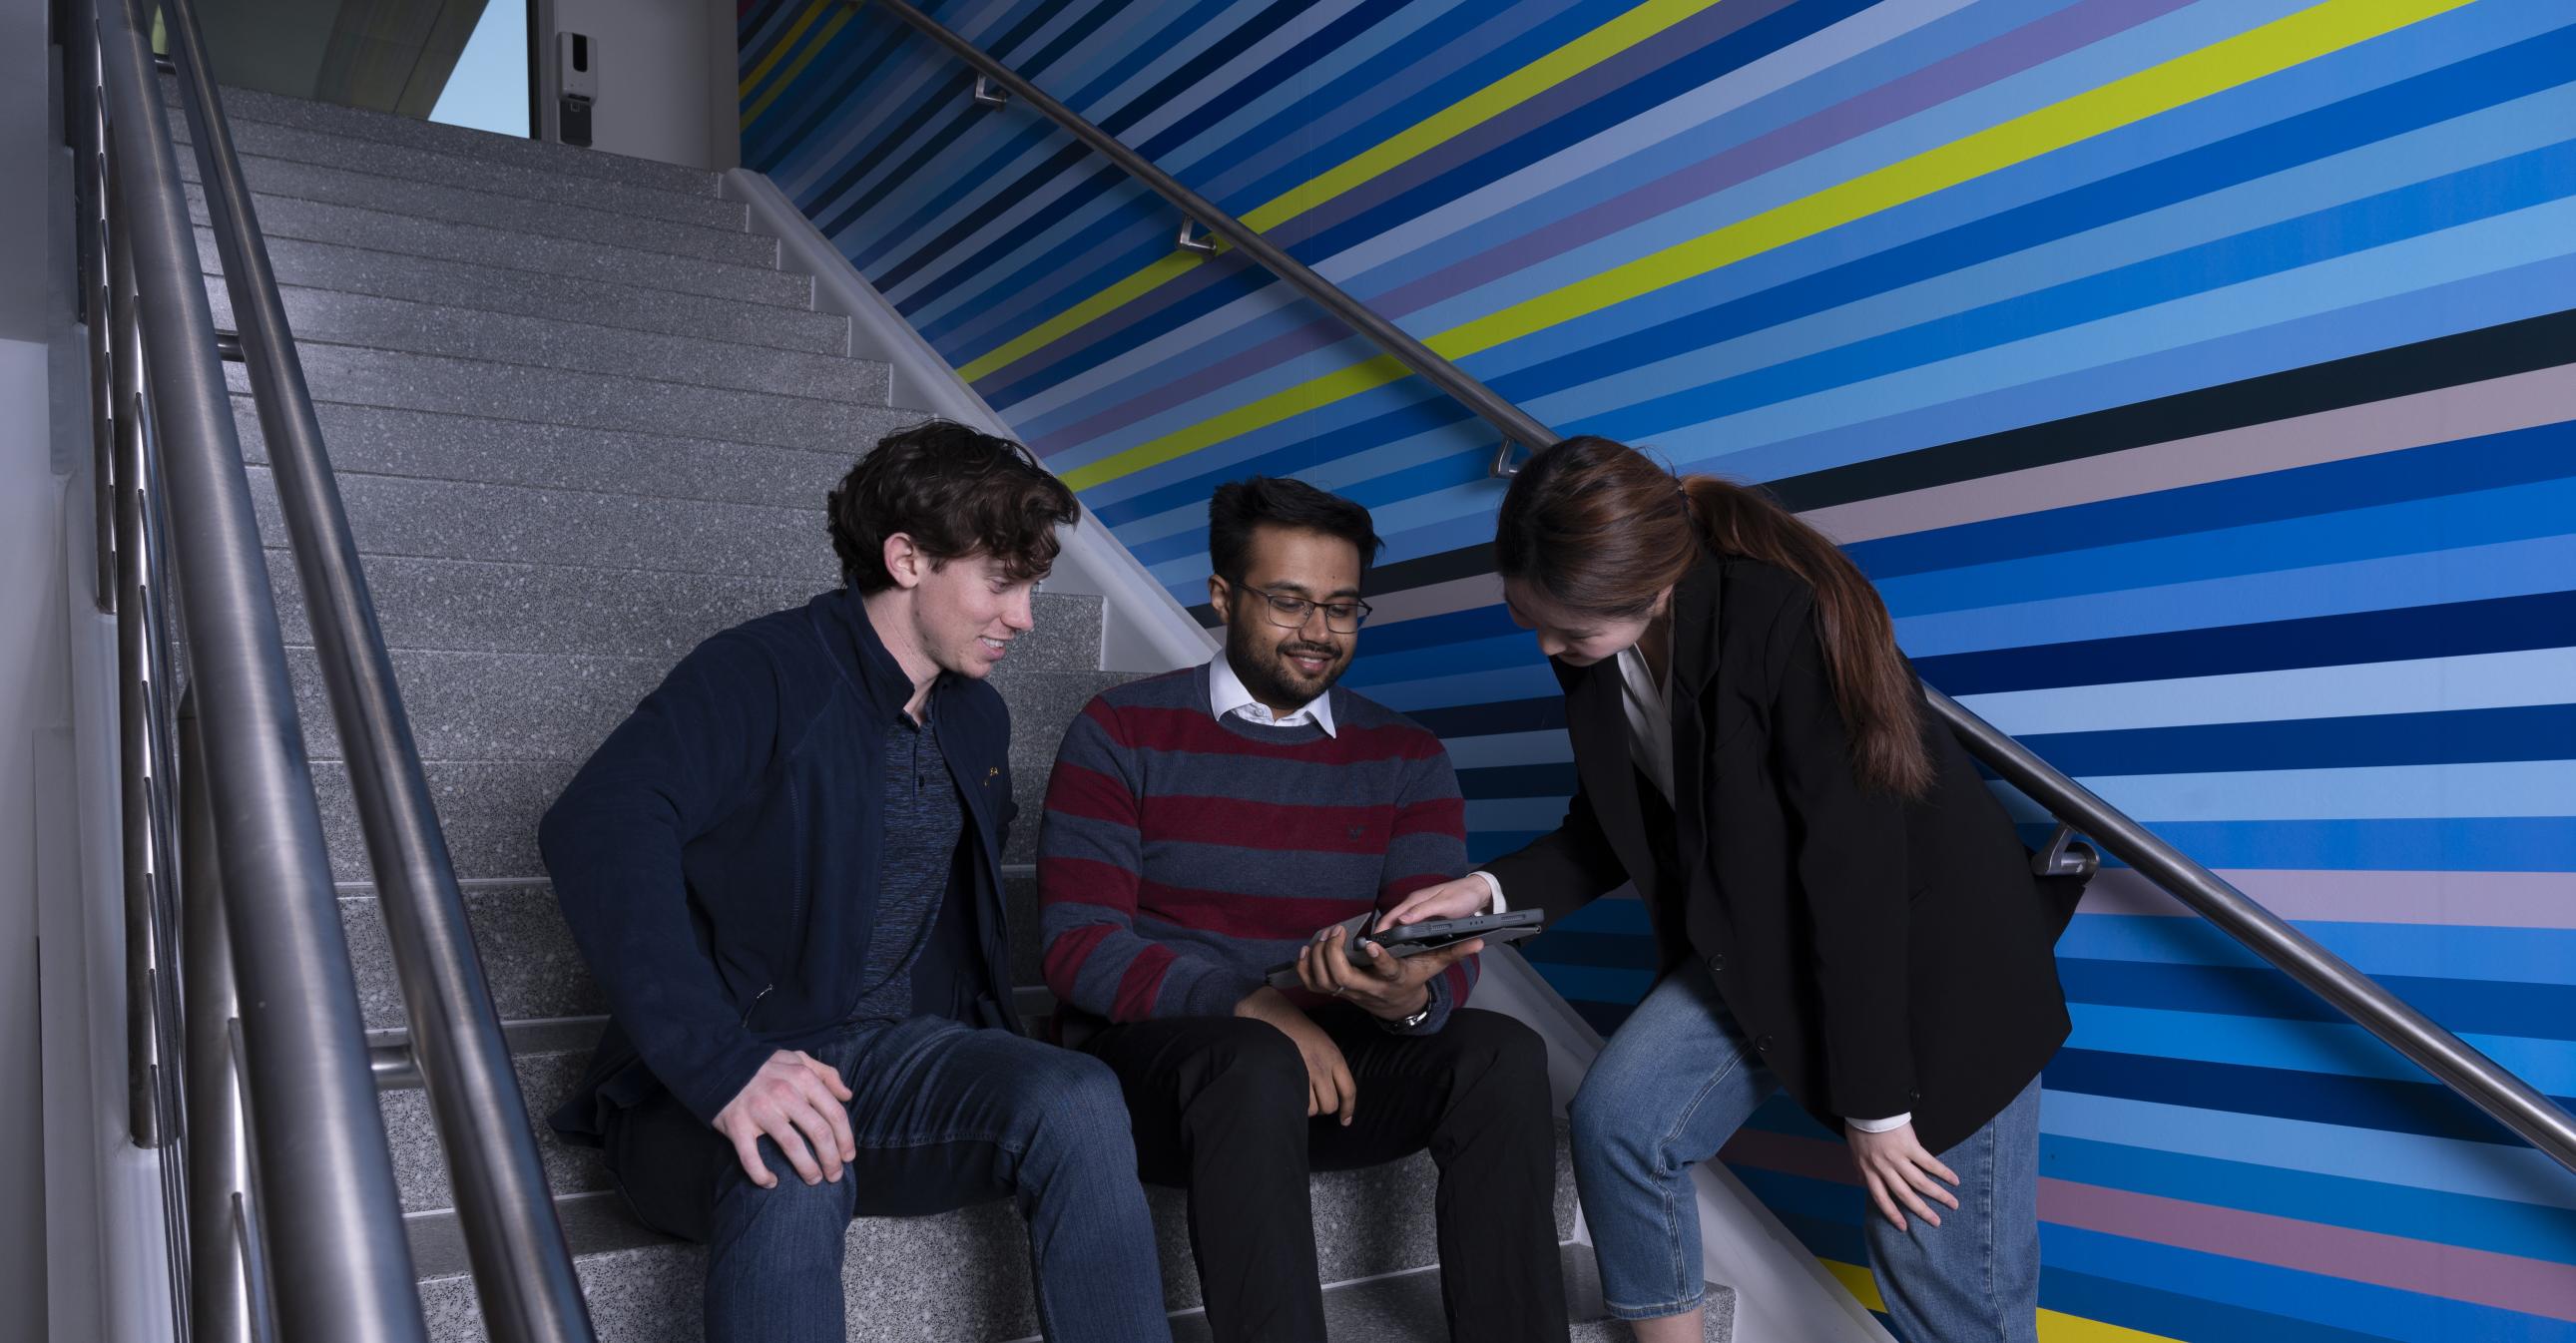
218 1147
144 1117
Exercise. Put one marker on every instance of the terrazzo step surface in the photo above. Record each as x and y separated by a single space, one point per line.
534 969
464 386
329 317
246 105
410 235
439 445
960 1275
413 199
473 284
269 141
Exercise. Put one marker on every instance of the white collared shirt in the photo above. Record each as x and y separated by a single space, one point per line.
1226 695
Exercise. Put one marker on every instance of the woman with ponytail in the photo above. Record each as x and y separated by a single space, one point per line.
1842 910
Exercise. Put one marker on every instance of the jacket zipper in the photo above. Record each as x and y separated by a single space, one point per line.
754 1005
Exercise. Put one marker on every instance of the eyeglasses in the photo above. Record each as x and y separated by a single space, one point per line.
1289 613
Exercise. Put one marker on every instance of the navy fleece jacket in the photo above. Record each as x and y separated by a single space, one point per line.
716 858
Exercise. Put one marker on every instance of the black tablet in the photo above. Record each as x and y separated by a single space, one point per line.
1428 935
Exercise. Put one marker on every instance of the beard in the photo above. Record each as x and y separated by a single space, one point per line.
1259 653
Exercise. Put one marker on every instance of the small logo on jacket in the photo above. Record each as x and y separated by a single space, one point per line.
993 773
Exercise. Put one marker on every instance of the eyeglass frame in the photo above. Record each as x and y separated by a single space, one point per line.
1359 609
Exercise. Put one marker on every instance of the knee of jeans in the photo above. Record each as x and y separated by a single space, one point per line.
824 1206
1603 1118
1078 1103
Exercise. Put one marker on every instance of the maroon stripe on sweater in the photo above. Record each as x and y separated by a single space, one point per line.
1269 826
1136 988
1142 728
1261 918
1063 879
1078 791
1065 955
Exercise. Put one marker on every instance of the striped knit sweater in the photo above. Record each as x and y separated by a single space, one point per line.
1183 855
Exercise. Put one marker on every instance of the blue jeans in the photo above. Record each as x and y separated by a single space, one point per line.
944 1116
1677 1081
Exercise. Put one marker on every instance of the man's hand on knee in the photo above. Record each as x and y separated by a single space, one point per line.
795 1101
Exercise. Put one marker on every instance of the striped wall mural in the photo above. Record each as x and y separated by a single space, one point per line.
2197 378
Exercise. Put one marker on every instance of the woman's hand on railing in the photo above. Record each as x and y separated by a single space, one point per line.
794 1099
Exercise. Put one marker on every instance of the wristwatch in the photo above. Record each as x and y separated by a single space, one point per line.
1412 1021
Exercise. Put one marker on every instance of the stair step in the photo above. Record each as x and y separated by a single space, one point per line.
480 606
535 970
330 317
271 140
549 1058
339 269
378 230
287 179
362 377
489 810
244 105
434 445
463 520
473 606
954 1276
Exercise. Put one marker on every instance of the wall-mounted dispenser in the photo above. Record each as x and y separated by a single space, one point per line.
577 77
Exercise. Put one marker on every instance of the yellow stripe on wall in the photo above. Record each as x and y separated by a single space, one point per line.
1531 80
2241 59
1521 85
788 76
778 50
2054 1326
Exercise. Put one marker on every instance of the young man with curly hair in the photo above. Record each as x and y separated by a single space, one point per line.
785 871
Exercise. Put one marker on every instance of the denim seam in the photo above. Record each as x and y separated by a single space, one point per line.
1664 1191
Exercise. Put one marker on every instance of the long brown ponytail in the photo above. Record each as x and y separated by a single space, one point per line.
1602 529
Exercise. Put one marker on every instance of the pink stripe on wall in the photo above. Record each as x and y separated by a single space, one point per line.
2449 899
2481 1277
2507 1282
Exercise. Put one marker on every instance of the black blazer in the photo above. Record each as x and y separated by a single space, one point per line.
1882 956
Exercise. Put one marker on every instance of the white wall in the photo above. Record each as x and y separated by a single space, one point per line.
31 644
666 83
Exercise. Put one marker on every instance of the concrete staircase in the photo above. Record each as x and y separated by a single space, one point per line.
581 421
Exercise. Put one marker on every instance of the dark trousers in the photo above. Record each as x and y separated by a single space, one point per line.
1219 1108
944 1117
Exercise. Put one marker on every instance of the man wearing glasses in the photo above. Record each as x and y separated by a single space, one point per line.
1201 827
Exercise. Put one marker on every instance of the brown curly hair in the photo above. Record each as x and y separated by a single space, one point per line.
956 492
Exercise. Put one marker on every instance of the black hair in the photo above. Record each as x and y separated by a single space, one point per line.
1280 501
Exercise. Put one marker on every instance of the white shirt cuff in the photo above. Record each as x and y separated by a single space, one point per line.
1881 1125
1495 884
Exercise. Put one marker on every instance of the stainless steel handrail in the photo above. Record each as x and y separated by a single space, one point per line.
1515 424
2483 1082
523 1270
316 1117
